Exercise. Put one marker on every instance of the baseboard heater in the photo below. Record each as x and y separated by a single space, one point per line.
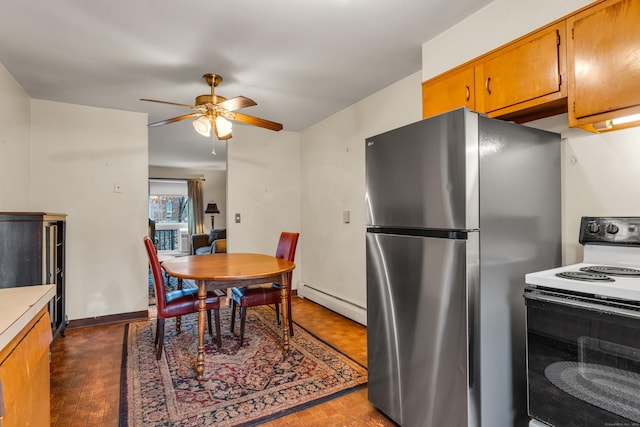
339 305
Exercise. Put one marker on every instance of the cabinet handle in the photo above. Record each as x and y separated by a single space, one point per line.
486 85
468 93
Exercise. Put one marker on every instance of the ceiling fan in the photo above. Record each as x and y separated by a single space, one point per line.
214 112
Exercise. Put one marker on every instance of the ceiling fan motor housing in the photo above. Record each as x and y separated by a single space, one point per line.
209 99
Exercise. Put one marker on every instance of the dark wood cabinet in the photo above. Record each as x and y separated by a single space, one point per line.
32 252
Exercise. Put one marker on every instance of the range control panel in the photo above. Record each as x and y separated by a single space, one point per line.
610 230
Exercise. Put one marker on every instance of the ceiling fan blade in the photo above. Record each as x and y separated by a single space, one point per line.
194 107
175 119
256 121
237 103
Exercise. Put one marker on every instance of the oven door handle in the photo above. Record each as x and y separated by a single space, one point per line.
583 304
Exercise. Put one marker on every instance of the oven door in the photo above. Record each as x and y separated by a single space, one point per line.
583 359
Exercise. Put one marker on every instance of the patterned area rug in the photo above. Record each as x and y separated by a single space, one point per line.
242 387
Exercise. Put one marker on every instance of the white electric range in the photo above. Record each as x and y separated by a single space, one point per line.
583 331
605 270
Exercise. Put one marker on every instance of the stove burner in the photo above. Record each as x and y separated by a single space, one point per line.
585 276
612 271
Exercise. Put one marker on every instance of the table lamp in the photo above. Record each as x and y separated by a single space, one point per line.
212 208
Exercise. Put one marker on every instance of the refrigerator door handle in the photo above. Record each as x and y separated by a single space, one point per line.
421 232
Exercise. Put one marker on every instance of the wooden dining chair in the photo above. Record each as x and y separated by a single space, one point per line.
177 303
254 296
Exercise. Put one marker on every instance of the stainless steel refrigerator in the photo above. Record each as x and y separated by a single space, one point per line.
459 208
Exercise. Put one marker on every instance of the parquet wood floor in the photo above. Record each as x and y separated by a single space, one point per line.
85 374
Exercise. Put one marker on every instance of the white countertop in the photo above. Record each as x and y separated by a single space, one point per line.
18 306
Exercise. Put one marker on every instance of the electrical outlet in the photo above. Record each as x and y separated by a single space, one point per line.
237 218
346 217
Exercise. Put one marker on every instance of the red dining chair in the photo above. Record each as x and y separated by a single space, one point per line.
254 296
177 303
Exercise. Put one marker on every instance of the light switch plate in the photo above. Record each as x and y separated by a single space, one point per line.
346 217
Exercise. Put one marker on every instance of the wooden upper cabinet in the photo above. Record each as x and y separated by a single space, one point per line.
448 92
524 74
603 55
520 81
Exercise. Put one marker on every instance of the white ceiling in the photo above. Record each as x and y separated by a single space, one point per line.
300 60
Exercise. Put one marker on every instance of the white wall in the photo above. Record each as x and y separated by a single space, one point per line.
598 171
78 153
601 177
332 162
214 188
263 186
15 149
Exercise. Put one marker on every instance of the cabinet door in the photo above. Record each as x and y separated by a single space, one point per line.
20 253
604 61
25 377
528 72
447 92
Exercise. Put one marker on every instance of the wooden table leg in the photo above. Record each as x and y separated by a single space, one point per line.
284 305
202 297
179 318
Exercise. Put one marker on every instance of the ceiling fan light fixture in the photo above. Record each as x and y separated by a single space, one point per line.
202 125
217 112
223 126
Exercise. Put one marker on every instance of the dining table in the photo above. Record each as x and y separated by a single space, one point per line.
226 270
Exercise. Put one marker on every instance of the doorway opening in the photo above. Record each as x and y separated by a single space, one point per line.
168 215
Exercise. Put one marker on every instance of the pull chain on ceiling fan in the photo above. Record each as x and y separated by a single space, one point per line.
215 112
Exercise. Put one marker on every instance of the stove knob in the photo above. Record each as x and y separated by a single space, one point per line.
612 228
593 227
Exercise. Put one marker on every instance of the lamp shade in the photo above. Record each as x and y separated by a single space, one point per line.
202 126
212 208
223 126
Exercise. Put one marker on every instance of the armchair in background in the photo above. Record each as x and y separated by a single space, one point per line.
214 242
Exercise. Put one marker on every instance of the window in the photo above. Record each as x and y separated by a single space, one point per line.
169 209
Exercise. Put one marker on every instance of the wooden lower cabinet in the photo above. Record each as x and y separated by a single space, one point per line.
24 374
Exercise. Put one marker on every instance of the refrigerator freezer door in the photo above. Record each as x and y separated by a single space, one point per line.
418 335
425 175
